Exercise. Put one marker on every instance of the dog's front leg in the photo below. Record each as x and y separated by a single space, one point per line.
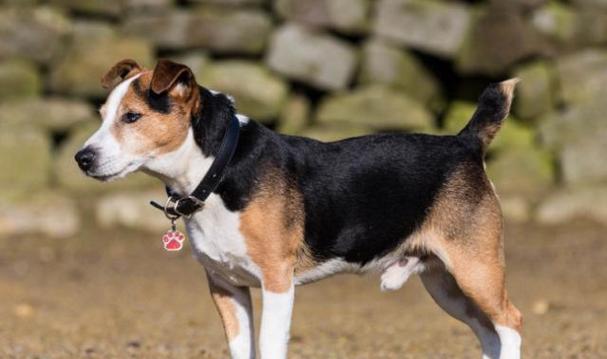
236 312
278 294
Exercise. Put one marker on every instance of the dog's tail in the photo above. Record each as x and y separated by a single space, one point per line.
493 108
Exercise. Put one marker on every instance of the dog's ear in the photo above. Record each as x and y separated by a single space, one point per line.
122 70
175 79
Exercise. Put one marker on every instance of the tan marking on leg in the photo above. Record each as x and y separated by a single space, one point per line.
154 133
224 302
465 230
272 225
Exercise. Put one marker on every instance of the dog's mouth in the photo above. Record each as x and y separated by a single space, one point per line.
103 178
130 167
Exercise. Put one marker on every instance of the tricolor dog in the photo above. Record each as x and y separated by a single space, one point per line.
291 210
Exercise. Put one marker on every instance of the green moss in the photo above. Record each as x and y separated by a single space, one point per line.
19 80
258 93
376 107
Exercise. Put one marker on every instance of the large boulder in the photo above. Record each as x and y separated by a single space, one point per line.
376 107
45 213
132 210
535 93
25 158
166 30
557 21
577 135
52 114
584 161
36 33
230 31
89 57
522 172
315 58
68 176
348 16
499 38
221 30
19 80
570 204
385 64
582 75
258 93
431 26
573 125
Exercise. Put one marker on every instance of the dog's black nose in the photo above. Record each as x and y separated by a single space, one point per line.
85 158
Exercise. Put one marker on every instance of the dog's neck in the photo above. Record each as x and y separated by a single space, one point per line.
182 170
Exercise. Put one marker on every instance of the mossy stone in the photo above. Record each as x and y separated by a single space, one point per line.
19 80
376 107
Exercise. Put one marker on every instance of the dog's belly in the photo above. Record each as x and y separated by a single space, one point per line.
219 246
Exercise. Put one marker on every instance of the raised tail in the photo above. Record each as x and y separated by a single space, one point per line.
493 108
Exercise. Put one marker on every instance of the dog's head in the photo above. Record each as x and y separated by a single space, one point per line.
146 117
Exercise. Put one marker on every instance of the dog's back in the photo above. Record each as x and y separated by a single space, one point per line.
361 198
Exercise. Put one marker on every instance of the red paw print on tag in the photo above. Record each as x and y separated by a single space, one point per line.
173 241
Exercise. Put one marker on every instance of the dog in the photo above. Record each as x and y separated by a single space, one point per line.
292 210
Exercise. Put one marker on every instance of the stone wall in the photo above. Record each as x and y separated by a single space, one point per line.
322 68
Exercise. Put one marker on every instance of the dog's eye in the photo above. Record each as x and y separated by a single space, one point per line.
130 117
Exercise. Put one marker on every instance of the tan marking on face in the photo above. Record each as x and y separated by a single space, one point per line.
227 310
154 133
272 225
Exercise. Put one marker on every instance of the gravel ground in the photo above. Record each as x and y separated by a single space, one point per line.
118 295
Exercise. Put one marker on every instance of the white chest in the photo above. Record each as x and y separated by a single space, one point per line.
219 245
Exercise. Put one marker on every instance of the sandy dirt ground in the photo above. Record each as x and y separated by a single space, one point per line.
117 294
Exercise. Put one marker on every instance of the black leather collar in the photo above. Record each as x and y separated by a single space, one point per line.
177 206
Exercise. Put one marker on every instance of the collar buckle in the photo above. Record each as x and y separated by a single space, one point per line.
171 205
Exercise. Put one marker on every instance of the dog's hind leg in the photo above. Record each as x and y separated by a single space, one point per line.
469 283
464 236
478 299
446 293
236 312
